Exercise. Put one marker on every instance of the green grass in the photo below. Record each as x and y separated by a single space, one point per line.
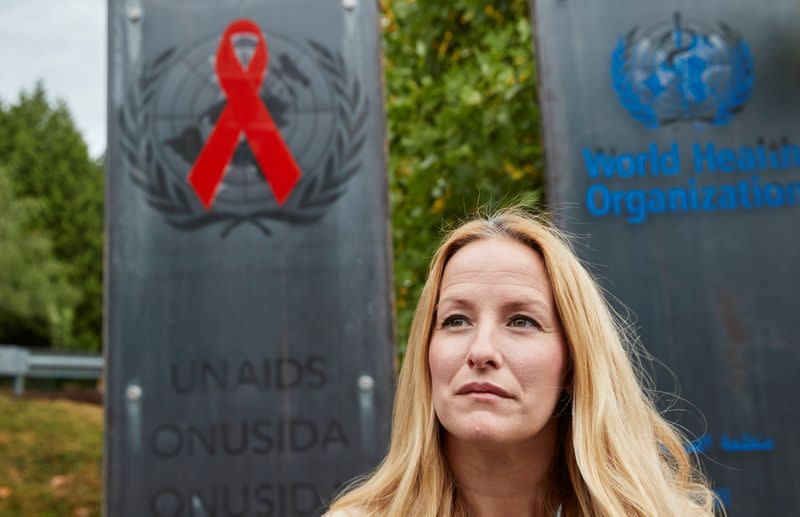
50 458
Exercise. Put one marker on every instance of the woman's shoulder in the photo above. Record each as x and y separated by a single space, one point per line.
350 512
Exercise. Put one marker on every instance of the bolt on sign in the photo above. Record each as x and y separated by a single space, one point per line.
249 324
673 147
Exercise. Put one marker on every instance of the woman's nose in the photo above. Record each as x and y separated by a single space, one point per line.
483 351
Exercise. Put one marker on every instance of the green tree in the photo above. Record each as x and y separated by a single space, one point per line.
463 123
36 298
47 159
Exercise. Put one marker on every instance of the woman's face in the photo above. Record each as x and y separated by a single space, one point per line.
497 354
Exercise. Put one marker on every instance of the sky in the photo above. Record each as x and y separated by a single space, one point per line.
63 43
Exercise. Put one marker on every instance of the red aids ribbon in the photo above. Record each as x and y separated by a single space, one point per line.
243 113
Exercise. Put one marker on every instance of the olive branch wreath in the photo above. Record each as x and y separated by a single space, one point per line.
311 196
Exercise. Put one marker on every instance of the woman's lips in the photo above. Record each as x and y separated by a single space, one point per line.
483 388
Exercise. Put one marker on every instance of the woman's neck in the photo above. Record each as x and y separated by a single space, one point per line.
504 479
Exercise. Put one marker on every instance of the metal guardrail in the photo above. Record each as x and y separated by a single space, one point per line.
19 363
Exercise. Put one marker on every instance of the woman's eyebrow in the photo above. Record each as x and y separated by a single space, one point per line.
534 304
455 302
537 307
531 304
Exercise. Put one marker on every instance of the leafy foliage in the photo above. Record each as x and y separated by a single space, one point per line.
463 123
47 160
35 297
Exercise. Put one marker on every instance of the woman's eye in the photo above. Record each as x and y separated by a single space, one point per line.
523 322
455 320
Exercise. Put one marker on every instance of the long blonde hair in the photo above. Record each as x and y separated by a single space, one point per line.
618 456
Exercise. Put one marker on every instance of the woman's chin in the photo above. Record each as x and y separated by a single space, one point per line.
482 428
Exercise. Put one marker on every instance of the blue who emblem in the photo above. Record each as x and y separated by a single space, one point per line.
678 73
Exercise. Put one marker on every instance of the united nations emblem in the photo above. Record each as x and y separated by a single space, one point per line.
679 73
243 129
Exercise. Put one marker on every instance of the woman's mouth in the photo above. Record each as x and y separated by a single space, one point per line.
483 390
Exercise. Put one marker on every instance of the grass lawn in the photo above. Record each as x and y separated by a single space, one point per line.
50 458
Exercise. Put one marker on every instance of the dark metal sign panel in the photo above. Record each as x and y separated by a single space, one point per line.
673 145
249 323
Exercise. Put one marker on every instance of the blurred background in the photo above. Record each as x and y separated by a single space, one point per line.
463 131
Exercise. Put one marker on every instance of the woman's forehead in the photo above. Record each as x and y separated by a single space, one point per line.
494 263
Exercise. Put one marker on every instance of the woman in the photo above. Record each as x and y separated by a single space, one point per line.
517 396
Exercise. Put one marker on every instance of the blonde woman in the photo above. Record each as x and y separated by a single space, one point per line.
518 397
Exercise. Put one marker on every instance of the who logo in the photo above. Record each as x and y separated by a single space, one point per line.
679 72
